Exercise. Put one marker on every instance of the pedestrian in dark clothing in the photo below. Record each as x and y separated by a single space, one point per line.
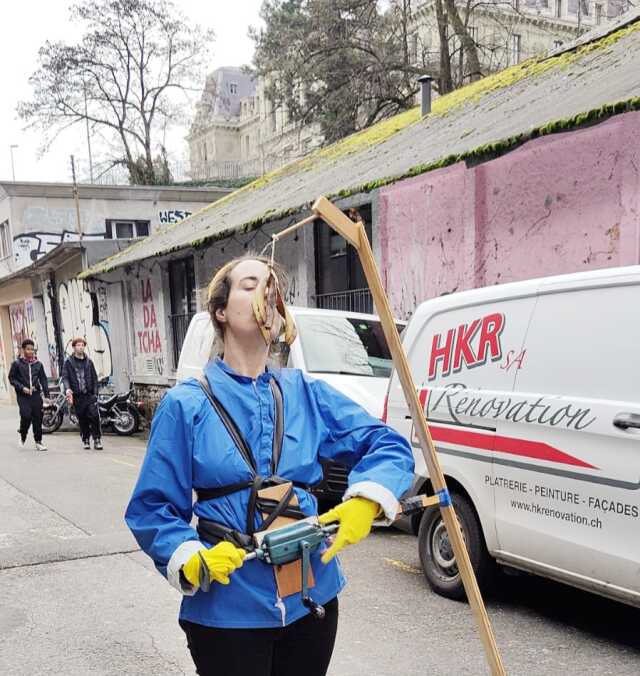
81 385
29 380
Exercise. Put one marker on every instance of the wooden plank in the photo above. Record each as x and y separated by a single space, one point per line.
336 219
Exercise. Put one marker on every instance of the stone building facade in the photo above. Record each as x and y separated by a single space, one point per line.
507 33
238 132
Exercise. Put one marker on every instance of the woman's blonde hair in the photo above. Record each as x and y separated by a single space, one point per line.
220 287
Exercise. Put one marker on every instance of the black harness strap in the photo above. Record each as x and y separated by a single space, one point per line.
213 532
230 425
278 432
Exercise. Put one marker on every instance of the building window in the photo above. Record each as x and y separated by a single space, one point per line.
413 48
598 11
5 240
516 47
559 9
233 88
126 229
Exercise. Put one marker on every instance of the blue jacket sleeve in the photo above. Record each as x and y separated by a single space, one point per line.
160 509
380 459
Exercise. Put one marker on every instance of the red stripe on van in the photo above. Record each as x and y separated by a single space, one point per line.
510 445
422 397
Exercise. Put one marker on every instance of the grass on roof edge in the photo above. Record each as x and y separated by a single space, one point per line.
384 129
482 153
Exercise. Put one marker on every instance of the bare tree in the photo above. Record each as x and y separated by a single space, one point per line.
128 78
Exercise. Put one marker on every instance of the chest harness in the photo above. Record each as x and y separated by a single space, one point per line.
213 532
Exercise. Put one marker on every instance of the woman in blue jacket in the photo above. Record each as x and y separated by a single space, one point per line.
286 422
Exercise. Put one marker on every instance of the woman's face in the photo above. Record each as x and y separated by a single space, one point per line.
238 316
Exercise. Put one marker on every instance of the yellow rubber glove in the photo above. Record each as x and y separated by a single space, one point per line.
356 516
221 561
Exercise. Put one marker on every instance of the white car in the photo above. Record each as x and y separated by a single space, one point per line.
346 349
532 393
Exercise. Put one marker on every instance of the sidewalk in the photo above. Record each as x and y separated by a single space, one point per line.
76 597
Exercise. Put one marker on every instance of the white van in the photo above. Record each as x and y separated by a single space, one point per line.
532 393
346 349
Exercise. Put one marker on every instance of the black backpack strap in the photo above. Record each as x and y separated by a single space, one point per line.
229 424
278 433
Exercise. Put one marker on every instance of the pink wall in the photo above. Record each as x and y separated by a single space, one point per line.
562 203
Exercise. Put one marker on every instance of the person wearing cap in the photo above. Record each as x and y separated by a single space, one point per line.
29 380
81 387
238 616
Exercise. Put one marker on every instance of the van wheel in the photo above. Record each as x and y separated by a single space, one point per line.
436 553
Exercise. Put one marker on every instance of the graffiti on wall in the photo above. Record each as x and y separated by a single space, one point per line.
52 348
23 324
80 316
148 341
173 215
30 246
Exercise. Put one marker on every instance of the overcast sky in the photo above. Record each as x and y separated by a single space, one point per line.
25 27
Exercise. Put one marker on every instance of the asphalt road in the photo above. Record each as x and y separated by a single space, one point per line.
76 597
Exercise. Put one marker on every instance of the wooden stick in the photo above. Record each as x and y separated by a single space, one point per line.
278 235
356 235
295 226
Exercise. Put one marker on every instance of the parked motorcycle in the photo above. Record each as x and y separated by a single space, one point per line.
54 413
119 412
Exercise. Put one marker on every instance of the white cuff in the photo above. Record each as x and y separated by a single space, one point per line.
378 493
181 555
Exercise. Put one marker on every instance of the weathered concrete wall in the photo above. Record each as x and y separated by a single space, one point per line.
294 252
558 204
40 224
41 216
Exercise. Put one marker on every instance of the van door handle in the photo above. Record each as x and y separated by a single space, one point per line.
624 421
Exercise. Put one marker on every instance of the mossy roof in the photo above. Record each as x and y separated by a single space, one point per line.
591 80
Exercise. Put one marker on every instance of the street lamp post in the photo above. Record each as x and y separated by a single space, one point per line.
13 168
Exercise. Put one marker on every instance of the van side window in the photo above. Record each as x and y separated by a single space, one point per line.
585 343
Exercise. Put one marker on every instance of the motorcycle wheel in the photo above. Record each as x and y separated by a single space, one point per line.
124 422
51 421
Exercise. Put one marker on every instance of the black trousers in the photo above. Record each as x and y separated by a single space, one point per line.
303 648
86 406
30 406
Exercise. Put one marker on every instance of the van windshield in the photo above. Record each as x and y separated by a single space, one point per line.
345 345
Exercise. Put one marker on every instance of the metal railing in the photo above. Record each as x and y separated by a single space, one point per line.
353 300
179 326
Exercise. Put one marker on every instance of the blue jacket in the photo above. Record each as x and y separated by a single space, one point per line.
189 447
